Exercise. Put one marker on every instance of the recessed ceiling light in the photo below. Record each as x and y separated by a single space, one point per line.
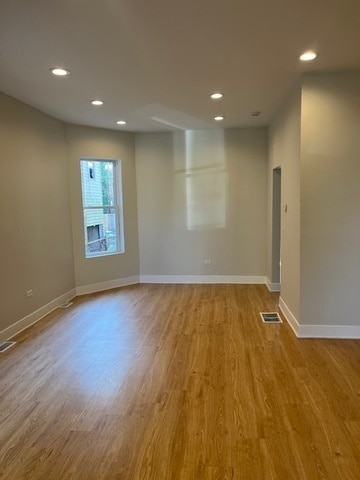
59 71
308 56
121 122
97 103
216 95
256 113
219 118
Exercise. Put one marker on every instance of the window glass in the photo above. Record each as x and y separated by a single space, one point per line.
102 206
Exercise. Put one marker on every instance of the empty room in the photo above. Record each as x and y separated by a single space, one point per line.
180 232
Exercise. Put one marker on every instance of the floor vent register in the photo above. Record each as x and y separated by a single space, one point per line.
270 317
4 346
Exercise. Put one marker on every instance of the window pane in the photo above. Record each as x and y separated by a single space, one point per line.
100 230
97 181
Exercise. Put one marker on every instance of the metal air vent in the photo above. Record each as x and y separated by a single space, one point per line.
270 317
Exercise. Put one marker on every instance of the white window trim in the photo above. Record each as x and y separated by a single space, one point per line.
118 206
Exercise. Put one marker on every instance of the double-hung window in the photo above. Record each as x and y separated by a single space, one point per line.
102 207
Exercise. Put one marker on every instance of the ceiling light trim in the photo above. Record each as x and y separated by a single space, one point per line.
59 71
308 56
216 95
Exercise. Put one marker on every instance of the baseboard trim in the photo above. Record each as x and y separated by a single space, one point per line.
350 332
202 279
272 287
319 331
34 317
301 331
290 318
99 287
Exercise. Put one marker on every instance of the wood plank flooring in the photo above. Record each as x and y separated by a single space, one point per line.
177 382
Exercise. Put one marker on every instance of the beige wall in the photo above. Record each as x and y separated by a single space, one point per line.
330 210
284 151
202 195
87 142
35 239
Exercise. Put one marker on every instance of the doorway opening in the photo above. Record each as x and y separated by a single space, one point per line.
276 229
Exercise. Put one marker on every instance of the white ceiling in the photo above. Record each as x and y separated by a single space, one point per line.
155 62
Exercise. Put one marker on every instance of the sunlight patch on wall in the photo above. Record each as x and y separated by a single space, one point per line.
200 161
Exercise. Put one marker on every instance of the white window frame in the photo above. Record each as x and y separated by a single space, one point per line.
117 207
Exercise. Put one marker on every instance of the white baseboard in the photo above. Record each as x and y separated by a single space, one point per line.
301 331
99 287
329 331
34 317
290 318
201 279
272 287
319 331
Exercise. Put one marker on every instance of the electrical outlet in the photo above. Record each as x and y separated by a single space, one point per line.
207 261
29 293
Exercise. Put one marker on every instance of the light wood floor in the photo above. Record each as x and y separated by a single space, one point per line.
177 382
